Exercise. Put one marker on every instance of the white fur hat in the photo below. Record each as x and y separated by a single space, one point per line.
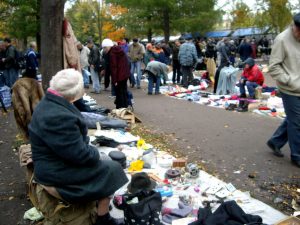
69 83
107 43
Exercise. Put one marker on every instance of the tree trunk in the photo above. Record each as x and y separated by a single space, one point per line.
99 21
149 32
51 16
38 21
166 18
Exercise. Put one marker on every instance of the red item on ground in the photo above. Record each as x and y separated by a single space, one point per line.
264 108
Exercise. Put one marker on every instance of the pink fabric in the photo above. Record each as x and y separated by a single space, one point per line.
51 91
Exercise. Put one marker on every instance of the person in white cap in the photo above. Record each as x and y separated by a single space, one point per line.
118 69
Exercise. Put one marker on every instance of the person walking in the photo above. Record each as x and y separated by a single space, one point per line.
284 68
136 53
84 63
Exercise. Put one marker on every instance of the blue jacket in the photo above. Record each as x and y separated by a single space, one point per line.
187 54
31 60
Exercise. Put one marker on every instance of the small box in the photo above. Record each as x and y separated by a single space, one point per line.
179 163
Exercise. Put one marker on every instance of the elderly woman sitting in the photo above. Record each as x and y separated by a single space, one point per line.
61 153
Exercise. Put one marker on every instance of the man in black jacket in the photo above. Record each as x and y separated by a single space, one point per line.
10 72
94 61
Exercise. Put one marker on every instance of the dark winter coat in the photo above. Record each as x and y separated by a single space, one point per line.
175 53
63 158
118 64
245 51
94 56
10 56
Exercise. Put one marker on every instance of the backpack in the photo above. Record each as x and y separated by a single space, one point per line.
20 60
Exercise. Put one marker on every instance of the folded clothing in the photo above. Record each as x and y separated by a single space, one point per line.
181 212
106 123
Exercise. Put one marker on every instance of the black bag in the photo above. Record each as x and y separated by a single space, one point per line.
20 60
195 82
146 211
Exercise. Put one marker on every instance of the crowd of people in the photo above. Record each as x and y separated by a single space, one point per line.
183 55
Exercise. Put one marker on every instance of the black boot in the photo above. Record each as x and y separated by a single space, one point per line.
243 106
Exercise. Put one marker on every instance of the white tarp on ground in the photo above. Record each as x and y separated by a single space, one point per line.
205 183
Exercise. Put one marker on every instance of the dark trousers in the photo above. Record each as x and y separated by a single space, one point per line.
153 79
121 94
289 130
11 75
217 75
176 71
187 75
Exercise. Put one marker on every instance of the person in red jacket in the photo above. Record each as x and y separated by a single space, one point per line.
251 77
119 71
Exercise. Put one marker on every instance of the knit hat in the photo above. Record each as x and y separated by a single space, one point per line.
296 19
188 37
107 43
249 61
140 181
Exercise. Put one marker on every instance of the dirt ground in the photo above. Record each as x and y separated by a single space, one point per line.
13 198
229 145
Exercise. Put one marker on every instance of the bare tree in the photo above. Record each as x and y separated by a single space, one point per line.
51 17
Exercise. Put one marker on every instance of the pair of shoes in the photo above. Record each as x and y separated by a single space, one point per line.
132 85
243 96
95 92
157 93
86 86
276 151
149 93
231 107
296 163
243 106
138 87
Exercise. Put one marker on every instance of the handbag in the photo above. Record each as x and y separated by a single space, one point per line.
142 208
